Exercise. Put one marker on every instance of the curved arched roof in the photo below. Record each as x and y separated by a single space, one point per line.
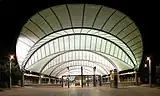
79 35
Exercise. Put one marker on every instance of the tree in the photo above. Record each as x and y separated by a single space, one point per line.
4 73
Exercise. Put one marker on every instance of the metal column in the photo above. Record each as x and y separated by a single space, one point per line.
62 81
82 76
22 78
94 77
100 80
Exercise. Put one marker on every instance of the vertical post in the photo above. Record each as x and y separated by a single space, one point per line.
10 78
94 77
115 79
62 81
100 80
87 80
119 77
49 80
81 76
150 83
111 78
39 82
136 79
10 73
68 76
22 79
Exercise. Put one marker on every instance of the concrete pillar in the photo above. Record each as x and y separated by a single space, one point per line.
49 80
94 80
55 80
22 79
136 79
62 81
81 76
94 77
39 82
100 80
115 79
87 80
119 78
68 81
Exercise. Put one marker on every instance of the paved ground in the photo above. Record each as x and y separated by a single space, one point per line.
86 91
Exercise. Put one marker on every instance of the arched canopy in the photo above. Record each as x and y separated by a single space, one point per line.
75 35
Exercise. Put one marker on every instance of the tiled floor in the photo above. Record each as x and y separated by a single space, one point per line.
86 91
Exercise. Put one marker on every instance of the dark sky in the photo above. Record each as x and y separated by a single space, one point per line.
14 14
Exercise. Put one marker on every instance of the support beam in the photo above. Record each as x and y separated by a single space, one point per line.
136 78
49 80
22 79
82 76
87 80
62 81
39 82
94 77
100 80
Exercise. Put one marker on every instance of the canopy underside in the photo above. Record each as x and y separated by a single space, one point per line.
60 36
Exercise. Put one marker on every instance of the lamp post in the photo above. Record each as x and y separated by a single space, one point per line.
11 57
149 63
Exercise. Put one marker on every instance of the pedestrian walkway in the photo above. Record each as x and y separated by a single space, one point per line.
86 91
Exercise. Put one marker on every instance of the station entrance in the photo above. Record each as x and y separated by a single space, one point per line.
81 81
79 48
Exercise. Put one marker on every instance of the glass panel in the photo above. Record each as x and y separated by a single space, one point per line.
87 56
93 43
123 56
29 63
83 41
32 59
60 58
77 30
46 49
71 42
116 51
85 30
98 45
36 56
126 59
129 62
77 38
70 56
103 45
94 57
66 43
80 55
108 47
56 45
39 54
90 56
43 52
64 57
51 46
83 57
88 42
61 44
119 54
73 55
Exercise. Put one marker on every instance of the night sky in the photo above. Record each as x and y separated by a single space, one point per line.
14 14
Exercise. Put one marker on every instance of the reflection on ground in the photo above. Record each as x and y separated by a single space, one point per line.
86 91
